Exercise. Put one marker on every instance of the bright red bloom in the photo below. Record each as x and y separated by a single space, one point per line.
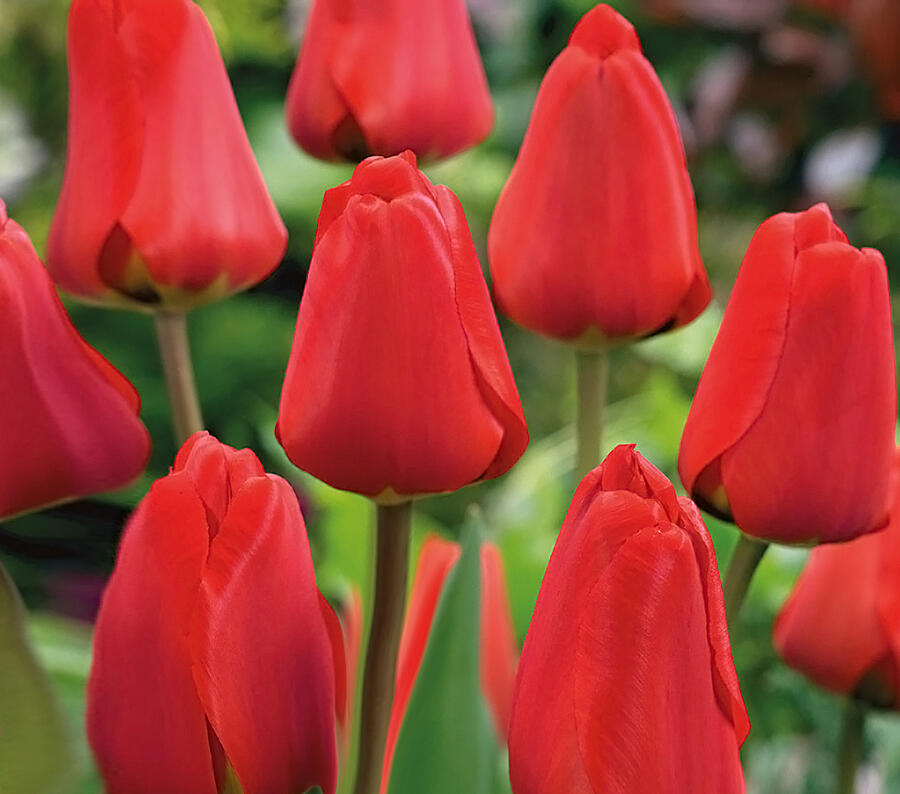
382 77
398 382
595 234
626 682
211 652
162 203
841 625
791 432
68 419
498 650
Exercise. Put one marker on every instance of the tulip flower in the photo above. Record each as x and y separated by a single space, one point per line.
594 237
791 432
68 419
626 681
380 78
398 383
841 625
162 205
498 651
212 657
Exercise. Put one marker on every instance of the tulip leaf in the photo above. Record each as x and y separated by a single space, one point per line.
36 755
446 743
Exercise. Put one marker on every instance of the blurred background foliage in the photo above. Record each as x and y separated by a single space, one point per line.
777 111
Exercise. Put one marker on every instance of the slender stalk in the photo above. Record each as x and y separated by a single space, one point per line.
391 565
744 561
850 751
593 372
171 331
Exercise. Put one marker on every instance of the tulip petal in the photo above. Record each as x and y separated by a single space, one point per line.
339 659
69 421
141 693
267 684
836 362
106 139
186 192
650 696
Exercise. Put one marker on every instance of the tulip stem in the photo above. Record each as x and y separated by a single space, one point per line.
850 751
391 567
171 331
743 564
593 373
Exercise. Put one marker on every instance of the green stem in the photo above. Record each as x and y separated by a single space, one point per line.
850 751
171 331
593 372
391 566
744 561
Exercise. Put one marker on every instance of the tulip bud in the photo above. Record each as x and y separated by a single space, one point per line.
162 203
212 656
398 383
841 625
498 651
383 77
594 237
626 681
68 419
791 432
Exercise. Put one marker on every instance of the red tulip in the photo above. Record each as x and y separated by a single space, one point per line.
841 625
162 203
211 653
398 382
382 77
595 234
626 682
498 649
68 419
791 432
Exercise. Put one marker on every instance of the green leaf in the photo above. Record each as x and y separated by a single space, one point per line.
447 744
36 754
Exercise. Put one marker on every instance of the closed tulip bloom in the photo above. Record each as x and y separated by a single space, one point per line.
791 432
841 625
498 649
594 237
626 683
68 419
398 383
162 203
382 77
212 658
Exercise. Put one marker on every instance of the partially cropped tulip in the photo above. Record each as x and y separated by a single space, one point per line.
791 432
841 625
162 204
626 681
398 383
594 237
212 658
68 419
498 650
380 78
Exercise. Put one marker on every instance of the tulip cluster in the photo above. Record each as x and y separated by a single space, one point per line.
218 664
